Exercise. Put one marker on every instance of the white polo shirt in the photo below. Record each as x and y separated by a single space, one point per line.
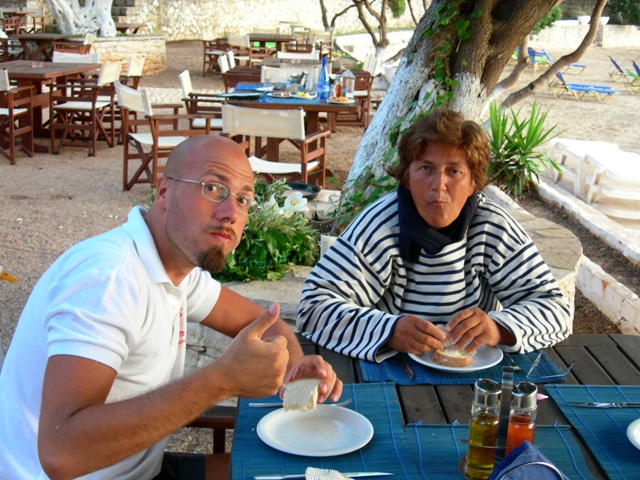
108 299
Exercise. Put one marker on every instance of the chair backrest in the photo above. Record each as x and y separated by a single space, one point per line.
109 73
223 63
275 74
561 78
263 123
231 59
636 67
4 80
146 102
208 34
237 40
129 98
616 65
185 83
89 38
65 57
135 66
371 64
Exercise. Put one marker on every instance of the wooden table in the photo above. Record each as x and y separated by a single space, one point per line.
39 74
43 42
599 360
130 28
278 38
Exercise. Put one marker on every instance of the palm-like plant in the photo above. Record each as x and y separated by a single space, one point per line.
516 163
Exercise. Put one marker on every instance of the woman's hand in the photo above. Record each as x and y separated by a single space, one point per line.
413 334
473 328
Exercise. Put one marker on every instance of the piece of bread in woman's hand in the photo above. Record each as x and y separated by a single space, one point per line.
450 356
301 395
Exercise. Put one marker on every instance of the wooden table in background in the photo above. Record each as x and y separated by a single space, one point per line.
278 38
43 44
38 74
130 28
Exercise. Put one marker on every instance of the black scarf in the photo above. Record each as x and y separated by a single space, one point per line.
416 234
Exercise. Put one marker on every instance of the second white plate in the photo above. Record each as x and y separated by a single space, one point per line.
324 432
633 433
485 357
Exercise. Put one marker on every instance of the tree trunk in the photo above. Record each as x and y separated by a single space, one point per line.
471 67
72 18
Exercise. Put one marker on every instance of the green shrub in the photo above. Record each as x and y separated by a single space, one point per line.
515 163
275 237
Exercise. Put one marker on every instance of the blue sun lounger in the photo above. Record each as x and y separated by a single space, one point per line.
559 87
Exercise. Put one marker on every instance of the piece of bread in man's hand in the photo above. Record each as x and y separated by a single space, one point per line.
450 356
301 395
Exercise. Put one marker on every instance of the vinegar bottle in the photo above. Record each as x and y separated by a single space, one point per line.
522 420
483 429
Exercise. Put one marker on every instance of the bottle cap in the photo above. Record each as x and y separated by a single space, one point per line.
486 393
524 395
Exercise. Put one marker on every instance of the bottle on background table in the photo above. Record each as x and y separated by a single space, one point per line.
324 87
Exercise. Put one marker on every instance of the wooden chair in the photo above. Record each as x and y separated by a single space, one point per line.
81 48
233 76
78 115
200 103
212 49
362 95
149 134
132 76
277 126
218 418
10 25
298 47
67 57
16 120
34 22
240 46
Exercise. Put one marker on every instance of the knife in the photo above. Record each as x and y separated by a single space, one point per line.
606 404
301 475
405 366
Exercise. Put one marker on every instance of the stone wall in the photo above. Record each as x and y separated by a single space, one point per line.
152 47
565 35
185 19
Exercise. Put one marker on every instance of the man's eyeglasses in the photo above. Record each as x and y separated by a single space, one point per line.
216 192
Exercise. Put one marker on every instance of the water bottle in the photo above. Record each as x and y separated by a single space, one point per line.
522 420
483 429
349 81
324 87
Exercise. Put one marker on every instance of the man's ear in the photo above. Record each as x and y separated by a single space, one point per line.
162 190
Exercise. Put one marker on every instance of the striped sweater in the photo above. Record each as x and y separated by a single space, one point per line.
359 289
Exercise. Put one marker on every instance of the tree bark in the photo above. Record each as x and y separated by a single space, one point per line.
475 64
72 18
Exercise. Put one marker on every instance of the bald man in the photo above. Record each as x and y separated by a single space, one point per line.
93 382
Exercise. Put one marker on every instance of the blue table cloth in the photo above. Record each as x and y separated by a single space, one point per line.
604 431
390 370
387 451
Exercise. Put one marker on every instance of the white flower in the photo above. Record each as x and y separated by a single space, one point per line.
271 204
295 203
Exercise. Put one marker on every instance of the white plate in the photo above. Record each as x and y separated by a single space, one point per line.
264 89
484 357
336 102
633 432
324 432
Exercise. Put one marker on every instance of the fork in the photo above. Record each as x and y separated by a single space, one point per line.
515 366
279 404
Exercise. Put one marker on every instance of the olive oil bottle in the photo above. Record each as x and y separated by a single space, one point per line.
483 429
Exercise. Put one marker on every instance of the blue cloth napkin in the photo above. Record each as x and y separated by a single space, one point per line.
390 370
526 462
